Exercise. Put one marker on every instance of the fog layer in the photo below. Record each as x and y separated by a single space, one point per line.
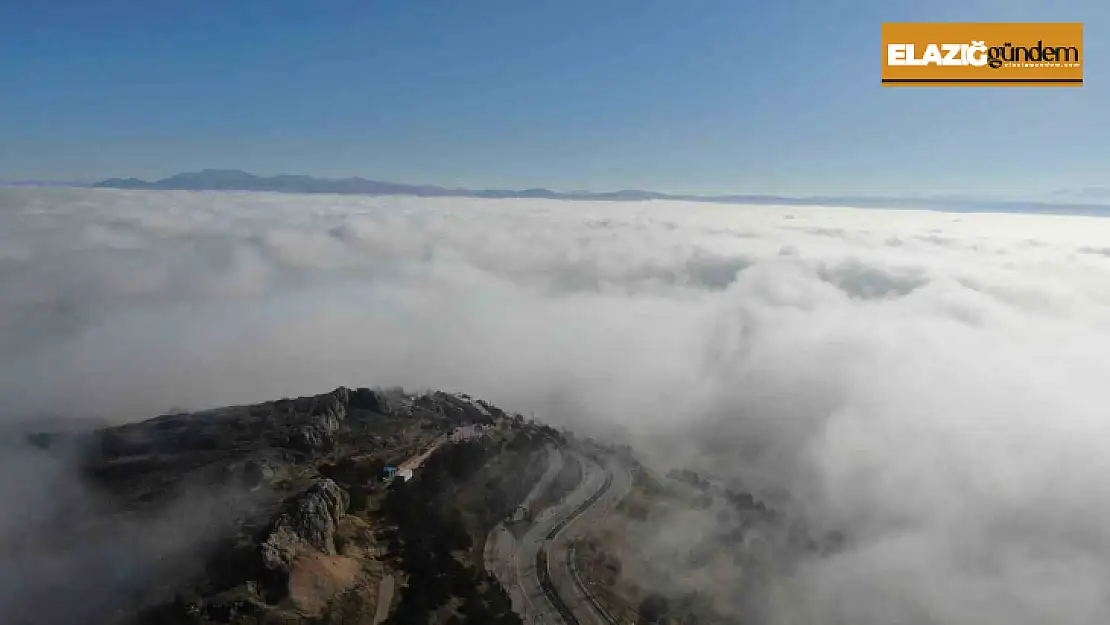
933 384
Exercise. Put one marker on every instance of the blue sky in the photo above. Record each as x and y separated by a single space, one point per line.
707 96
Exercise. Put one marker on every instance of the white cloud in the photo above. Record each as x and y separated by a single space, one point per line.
931 383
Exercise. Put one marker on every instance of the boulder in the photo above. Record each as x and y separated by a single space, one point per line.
321 424
308 523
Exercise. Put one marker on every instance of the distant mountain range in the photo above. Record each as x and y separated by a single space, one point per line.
237 180
38 183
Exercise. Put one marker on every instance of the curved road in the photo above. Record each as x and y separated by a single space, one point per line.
513 561
501 545
560 564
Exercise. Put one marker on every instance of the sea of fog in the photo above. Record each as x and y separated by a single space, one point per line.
934 384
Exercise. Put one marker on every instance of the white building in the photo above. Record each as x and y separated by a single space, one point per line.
466 432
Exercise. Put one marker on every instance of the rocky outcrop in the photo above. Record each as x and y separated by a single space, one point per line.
458 408
322 424
371 399
309 522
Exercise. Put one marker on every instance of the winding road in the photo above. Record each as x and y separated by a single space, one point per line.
514 561
563 573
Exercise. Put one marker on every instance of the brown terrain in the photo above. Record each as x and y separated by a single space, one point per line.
275 512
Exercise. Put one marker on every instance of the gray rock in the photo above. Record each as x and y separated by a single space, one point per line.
322 423
458 408
257 472
371 399
310 521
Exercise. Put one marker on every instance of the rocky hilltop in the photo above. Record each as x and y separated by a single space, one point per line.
278 512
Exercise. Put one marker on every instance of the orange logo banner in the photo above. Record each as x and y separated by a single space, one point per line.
956 54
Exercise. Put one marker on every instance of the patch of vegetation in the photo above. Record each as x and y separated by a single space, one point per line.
358 476
431 535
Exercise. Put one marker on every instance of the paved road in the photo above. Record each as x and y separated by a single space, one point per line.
385 599
514 561
560 565
499 554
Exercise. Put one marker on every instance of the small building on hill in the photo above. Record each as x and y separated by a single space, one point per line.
467 432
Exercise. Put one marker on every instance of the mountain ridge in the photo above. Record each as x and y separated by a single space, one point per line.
239 180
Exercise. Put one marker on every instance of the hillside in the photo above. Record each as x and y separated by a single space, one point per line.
278 512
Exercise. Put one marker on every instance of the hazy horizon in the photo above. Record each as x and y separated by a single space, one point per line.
1092 196
727 97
